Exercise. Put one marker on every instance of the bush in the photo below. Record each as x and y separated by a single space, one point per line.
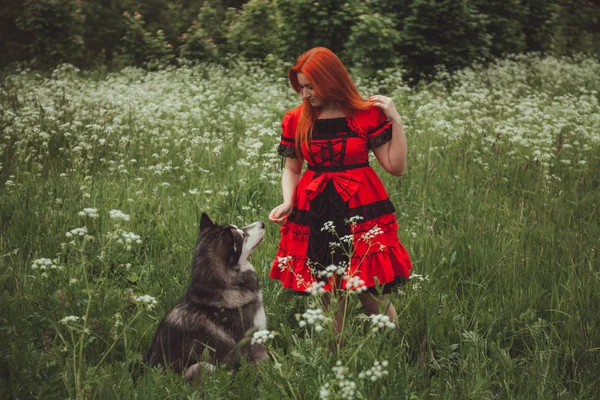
372 42
143 48
254 31
446 32
55 28
308 23
504 23
198 45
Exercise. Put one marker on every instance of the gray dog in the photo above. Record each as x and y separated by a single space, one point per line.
220 309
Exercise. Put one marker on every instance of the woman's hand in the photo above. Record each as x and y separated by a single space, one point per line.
280 213
387 106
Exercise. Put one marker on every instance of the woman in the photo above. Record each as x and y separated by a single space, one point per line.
338 228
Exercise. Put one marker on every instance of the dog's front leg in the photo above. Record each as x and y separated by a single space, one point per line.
257 353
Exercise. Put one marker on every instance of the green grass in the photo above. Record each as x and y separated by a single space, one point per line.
499 210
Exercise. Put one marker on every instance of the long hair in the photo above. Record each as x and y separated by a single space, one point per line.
331 82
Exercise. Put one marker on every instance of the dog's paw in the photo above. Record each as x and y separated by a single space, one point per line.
196 371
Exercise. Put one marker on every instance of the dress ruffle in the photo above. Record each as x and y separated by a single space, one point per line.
377 258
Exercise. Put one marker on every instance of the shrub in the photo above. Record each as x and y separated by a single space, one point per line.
372 42
55 28
198 45
308 23
445 32
254 32
143 48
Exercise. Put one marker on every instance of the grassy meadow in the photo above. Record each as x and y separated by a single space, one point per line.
103 178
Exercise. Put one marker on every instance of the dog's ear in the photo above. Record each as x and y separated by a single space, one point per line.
205 223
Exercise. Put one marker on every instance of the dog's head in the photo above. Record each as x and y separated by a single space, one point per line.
224 249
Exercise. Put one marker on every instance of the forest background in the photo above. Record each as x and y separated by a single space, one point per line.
419 35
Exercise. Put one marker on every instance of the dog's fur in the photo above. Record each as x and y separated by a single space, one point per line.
221 308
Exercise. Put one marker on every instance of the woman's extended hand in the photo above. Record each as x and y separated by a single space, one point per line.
387 106
280 213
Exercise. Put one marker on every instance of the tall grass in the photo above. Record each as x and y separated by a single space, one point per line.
499 210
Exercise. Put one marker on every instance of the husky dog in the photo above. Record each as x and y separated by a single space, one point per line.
221 307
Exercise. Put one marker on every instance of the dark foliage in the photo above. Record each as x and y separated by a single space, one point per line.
418 35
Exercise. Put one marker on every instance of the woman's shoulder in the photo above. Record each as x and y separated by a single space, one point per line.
290 121
294 113
371 114
367 120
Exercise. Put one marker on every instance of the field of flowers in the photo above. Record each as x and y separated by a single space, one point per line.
103 178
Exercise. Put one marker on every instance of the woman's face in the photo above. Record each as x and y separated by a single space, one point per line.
307 91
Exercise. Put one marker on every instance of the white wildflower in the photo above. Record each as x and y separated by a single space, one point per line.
89 212
117 214
131 237
77 232
146 300
371 233
381 321
316 288
70 318
312 317
355 284
283 262
328 226
263 336
376 372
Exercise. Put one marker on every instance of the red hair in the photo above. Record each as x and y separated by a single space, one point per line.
331 82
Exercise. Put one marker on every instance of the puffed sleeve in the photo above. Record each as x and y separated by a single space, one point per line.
287 146
380 131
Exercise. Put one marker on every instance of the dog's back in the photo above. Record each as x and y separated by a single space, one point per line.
221 306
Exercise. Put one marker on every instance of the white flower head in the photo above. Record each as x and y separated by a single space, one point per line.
77 232
117 214
371 233
89 212
316 288
146 300
328 226
263 336
355 284
69 319
381 321
283 262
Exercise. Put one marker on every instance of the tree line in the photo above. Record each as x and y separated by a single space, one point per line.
418 35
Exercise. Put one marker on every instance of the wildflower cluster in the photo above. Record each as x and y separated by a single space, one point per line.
89 212
416 280
381 321
354 220
45 264
130 237
146 300
70 319
262 337
355 284
332 270
313 317
117 214
371 233
283 262
376 372
342 384
316 288
77 232
328 226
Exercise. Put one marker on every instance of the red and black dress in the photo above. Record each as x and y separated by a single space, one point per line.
342 215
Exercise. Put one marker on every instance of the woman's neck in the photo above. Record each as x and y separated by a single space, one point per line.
330 110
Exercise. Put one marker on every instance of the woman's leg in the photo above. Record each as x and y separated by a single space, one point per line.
378 304
338 313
